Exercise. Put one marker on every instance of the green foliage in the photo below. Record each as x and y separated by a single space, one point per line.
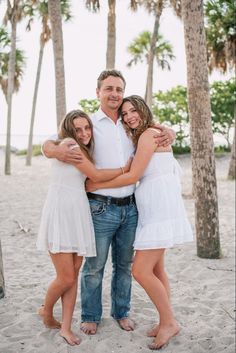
181 149
223 94
222 149
39 9
220 33
170 108
140 47
35 152
89 105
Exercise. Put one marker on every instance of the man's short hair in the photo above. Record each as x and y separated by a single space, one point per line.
106 73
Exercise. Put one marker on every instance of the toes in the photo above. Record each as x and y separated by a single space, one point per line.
126 324
69 341
153 347
89 328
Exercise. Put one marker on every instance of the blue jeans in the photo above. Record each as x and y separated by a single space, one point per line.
114 225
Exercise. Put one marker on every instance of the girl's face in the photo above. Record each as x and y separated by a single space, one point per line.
130 115
83 130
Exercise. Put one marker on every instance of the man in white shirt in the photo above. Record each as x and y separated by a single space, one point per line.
113 210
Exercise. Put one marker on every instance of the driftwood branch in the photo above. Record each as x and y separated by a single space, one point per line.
226 311
22 229
220 269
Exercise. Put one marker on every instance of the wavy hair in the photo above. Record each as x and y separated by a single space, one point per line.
67 129
145 114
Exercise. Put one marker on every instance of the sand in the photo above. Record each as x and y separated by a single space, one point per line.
202 290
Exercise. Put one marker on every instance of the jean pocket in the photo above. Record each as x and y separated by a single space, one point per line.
97 208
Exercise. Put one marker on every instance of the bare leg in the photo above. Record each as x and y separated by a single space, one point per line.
51 322
143 271
65 278
160 273
68 304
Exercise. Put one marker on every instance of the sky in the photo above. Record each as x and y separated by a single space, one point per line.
85 57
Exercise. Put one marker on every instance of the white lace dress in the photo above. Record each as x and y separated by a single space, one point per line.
66 224
162 218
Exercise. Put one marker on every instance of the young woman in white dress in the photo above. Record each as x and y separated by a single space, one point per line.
162 218
66 229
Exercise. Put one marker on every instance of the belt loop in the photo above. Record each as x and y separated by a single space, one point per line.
108 200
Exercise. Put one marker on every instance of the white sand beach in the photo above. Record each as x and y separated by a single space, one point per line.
203 291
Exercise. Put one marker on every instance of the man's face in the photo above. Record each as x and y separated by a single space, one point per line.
111 93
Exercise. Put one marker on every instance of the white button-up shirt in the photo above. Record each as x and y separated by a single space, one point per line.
112 149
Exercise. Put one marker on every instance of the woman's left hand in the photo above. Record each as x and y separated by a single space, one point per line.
90 185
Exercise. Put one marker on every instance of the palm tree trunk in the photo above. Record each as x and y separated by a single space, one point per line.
2 283
232 164
54 9
203 159
10 89
30 140
111 35
151 56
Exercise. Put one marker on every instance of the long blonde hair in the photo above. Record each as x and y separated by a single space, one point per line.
145 114
67 129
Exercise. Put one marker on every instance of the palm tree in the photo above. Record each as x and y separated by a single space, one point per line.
41 8
221 34
221 46
202 148
13 15
140 51
94 5
232 164
4 60
54 9
2 282
154 7
111 35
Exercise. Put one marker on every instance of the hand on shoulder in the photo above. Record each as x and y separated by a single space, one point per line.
69 141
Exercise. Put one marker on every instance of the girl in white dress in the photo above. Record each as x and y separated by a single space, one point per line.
162 218
66 228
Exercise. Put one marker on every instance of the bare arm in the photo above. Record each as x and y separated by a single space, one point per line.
99 175
62 152
145 150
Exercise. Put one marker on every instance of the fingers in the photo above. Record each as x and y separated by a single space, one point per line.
159 126
70 156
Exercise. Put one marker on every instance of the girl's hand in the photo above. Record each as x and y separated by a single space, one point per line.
90 185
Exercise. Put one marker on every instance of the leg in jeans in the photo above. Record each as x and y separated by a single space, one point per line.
106 221
122 255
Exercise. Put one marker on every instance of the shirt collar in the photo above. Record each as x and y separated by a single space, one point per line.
101 115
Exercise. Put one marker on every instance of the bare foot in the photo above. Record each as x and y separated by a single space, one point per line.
154 331
48 321
164 335
70 338
126 324
90 328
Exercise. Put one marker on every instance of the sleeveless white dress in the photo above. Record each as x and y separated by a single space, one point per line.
162 220
66 223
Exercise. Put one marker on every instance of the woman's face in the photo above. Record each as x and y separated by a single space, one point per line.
130 115
83 130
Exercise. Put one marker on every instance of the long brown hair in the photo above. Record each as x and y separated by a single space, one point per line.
145 114
67 129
